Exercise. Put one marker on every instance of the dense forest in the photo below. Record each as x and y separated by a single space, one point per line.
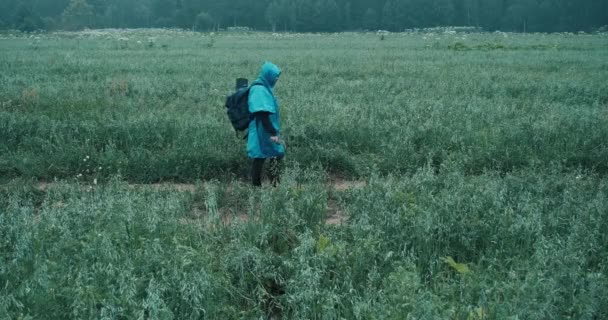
306 15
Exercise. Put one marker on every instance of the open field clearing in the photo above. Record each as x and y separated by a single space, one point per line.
428 176
149 105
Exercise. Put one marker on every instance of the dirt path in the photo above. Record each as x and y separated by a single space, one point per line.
335 215
337 184
342 185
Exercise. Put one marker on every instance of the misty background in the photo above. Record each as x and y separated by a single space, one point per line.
306 15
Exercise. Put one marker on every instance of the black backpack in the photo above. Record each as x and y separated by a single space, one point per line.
237 106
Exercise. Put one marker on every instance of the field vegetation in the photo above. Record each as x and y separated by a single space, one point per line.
428 176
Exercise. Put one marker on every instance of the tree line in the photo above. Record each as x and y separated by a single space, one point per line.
306 15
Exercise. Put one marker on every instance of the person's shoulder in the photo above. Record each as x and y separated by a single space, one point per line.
258 90
256 87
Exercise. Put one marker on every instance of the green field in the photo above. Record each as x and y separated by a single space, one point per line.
428 176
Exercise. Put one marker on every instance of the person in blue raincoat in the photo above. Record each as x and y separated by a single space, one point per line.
263 141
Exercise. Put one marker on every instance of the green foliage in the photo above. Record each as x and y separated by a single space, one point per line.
459 46
136 110
225 250
370 19
308 15
78 15
485 194
281 14
26 19
203 22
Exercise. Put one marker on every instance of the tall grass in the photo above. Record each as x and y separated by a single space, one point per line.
484 158
350 103
532 244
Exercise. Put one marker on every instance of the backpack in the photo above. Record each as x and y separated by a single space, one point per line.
237 106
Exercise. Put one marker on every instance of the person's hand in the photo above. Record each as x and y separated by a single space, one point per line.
274 139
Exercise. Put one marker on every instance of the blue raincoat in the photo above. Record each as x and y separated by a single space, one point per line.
262 99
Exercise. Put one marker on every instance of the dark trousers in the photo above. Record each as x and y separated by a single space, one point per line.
258 167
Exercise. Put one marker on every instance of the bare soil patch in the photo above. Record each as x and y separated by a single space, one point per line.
335 215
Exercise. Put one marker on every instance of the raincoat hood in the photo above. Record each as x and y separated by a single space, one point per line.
269 74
